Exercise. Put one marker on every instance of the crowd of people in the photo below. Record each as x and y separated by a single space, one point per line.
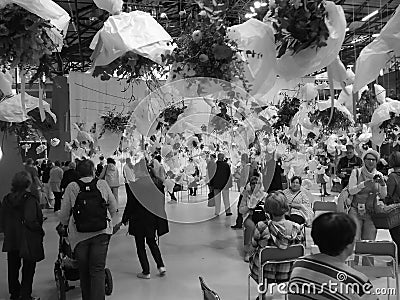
270 216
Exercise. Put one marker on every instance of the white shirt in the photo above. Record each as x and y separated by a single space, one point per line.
128 173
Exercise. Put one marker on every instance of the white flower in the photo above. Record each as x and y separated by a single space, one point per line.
197 35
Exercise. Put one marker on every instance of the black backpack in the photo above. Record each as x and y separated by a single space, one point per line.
90 209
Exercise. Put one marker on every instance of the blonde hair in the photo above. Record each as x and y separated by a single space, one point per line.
276 204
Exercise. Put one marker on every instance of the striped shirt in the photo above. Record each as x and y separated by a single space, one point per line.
323 277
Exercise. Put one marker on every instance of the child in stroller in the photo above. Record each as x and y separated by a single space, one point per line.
66 267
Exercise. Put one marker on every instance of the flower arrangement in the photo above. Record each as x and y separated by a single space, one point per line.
114 122
204 50
299 24
287 109
339 122
170 115
131 67
391 127
366 106
25 41
33 128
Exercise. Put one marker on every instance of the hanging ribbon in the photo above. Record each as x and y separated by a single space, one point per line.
41 108
23 82
331 89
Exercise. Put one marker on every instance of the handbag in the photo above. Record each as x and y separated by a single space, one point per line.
387 217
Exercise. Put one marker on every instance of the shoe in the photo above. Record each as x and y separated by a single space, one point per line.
143 276
229 214
162 271
246 258
235 227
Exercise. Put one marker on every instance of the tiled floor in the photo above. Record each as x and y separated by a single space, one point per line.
197 245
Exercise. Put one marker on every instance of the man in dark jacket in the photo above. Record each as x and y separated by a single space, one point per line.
70 175
347 164
221 183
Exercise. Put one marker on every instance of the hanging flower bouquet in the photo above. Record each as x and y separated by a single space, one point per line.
287 109
33 128
204 50
366 106
114 122
25 40
340 120
131 67
299 24
391 127
170 115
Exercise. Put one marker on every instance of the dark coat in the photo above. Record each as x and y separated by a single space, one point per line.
146 208
222 178
69 176
14 207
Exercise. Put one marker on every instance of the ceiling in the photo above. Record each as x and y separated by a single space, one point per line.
87 19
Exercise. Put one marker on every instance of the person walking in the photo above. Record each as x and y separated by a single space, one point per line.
36 184
346 165
243 180
146 216
111 175
100 166
221 183
88 209
70 175
211 168
22 219
56 175
129 176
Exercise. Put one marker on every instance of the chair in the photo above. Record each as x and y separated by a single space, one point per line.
387 249
273 255
207 292
322 206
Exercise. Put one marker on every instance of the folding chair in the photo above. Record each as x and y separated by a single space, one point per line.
383 249
207 292
322 206
273 255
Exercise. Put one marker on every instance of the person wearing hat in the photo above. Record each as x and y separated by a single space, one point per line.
366 184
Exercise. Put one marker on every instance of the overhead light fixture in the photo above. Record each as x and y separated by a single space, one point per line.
252 9
375 35
248 15
264 4
347 29
257 4
367 17
350 66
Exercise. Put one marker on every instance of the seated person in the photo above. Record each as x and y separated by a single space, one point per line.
253 194
299 204
275 231
195 182
334 234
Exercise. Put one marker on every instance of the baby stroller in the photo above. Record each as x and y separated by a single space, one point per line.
66 267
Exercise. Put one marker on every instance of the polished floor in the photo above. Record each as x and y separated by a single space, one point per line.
198 244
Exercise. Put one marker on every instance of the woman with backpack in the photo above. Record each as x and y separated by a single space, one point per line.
366 185
393 191
22 220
